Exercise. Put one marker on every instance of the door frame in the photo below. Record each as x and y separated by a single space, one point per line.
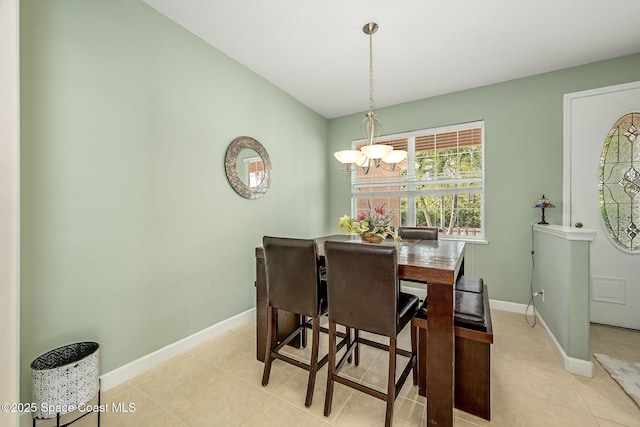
566 149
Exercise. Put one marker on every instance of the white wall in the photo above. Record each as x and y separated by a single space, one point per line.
8 206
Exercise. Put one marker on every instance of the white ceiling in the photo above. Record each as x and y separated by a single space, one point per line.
315 50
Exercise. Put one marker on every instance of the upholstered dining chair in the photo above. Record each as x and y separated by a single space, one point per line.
422 233
294 284
363 292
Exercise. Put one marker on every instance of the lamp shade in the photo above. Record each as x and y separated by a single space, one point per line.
376 151
347 156
544 203
395 156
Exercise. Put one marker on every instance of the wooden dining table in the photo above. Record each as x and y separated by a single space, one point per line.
437 263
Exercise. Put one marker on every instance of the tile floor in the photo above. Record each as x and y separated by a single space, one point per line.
218 384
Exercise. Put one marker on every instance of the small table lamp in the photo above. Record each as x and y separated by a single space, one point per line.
543 203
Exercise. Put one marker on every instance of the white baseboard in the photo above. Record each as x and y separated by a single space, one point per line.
124 373
512 307
138 366
571 364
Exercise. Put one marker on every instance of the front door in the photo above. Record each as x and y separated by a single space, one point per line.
615 272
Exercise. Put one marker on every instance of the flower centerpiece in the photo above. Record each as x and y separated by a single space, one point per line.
372 227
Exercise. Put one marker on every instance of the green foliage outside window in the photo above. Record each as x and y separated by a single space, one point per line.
442 187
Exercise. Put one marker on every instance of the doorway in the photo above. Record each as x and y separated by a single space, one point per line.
589 117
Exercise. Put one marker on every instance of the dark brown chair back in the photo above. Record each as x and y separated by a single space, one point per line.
293 280
422 233
363 286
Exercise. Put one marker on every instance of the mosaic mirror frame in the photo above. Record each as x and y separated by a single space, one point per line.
231 156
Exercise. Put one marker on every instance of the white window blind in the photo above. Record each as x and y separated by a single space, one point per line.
441 184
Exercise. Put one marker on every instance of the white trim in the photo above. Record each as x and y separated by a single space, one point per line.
414 133
466 239
566 148
614 287
512 307
124 373
566 232
382 182
570 364
10 212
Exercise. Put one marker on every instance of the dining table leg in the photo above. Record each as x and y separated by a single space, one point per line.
440 354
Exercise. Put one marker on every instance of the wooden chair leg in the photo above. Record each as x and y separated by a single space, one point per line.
422 361
328 399
414 352
271 342
313 363
391 383
357 349
303 332
348 333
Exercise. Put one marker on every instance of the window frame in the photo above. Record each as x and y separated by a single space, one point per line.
255 170
410 182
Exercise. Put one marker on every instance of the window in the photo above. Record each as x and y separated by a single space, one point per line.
255 170
441 184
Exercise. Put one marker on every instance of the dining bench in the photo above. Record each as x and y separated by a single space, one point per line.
473 339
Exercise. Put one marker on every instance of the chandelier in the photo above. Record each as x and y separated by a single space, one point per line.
371 128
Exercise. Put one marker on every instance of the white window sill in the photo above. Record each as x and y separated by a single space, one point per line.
466 240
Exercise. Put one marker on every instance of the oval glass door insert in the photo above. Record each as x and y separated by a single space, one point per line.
619 183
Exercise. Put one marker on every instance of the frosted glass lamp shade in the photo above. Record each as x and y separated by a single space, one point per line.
376 151
396 156
347 156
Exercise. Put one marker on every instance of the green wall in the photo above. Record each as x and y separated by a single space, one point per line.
562 270
130 233
523 158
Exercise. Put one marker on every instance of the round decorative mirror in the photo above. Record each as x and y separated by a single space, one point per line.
248 167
